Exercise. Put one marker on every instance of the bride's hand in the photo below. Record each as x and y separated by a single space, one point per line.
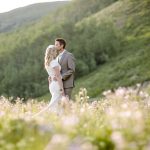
62 92
49 80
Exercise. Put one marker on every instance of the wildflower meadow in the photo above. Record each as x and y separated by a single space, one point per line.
118 120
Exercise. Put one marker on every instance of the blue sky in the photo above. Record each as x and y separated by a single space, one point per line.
7 5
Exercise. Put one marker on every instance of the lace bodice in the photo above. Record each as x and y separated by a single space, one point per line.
50 69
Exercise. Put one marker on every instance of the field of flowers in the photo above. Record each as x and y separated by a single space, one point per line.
119 120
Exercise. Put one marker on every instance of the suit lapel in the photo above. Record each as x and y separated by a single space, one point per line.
63 56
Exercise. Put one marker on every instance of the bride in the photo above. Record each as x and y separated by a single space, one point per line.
55 85
58 99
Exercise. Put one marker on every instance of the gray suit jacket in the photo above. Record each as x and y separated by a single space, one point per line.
67 63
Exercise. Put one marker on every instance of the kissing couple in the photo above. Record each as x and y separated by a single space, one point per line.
60 66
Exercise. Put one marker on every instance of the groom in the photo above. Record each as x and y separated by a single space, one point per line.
67 63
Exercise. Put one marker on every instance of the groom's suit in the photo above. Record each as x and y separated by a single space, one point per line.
67 62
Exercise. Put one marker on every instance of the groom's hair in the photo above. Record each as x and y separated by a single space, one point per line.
61 41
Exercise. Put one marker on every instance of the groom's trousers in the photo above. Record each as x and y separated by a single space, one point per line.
68 92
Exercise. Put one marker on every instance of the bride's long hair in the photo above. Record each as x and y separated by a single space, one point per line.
50 54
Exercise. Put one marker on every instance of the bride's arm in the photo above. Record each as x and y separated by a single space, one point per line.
59 79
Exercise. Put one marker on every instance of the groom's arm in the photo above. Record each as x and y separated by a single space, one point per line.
71 67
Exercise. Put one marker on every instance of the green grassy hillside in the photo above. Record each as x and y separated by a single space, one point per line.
22 16
22 72
131 62
110 43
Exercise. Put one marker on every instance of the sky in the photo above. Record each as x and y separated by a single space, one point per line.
7 5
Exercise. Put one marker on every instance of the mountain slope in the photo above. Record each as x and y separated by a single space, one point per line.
21 52
131 64
108 42
28 14
131 23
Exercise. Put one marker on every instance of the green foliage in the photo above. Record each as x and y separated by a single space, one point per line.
19 134
132 46
22 71
129 68
101 45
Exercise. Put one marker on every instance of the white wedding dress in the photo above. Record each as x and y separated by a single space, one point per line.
54 88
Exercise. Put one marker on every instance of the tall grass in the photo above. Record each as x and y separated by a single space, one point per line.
120 120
